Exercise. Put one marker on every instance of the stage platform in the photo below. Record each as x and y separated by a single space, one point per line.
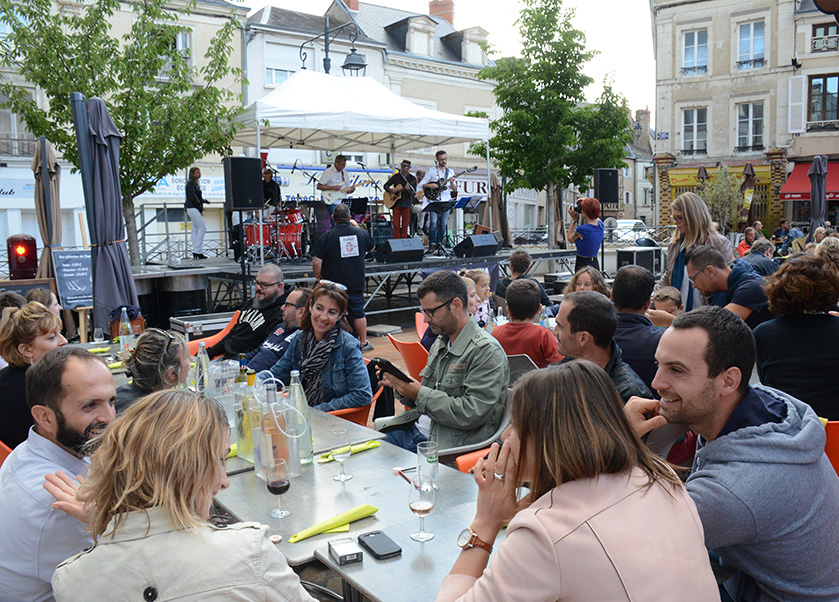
223 279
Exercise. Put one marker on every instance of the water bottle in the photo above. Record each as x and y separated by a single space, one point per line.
202 369
126 335
297 399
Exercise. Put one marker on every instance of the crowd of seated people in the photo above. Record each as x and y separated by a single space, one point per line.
760 495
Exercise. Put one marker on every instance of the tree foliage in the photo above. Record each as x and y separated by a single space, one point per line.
547 136
724 198
170 111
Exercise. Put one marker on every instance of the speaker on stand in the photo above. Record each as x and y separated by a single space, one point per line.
243 192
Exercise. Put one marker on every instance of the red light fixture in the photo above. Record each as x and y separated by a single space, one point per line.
23 257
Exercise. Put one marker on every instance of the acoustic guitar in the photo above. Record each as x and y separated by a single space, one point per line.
432 193
331 197
390 199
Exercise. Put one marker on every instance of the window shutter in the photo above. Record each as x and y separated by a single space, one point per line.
797 101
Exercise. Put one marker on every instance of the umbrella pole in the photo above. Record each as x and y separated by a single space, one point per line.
489 188
84 234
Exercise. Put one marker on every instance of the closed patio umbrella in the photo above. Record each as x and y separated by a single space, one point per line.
47 207
818 203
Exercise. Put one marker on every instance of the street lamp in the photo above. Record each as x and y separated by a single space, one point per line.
354 63
637 129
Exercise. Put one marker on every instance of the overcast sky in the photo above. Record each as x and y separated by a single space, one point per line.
618 29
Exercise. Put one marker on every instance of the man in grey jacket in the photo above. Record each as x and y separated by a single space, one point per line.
767 495
464 384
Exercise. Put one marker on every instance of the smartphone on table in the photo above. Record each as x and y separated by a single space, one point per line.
379 545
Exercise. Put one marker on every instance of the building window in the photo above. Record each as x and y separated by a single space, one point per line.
627 172
751 46
825 37
749 127
276 76
179 43
695 132
280 62
15 140
696 52
824 100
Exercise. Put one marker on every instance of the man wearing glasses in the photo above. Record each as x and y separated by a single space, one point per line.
277 342
259 318
461 398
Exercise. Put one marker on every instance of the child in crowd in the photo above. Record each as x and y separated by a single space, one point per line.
520 335
587 279
669 299
485 305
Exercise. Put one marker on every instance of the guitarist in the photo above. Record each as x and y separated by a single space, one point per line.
335 181
439 220
403 184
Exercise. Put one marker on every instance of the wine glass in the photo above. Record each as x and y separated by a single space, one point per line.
278 481
98 336
340 452
421 502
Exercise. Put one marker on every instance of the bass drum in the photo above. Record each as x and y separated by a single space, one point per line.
290 237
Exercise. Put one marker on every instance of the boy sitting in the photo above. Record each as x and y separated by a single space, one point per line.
520 335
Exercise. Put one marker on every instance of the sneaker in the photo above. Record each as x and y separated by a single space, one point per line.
367 346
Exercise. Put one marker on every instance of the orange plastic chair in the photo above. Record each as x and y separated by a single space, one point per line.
465 462
831 447
414 355
5 450
212 340
359 415
419 320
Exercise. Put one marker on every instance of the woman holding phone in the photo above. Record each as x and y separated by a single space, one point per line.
605 519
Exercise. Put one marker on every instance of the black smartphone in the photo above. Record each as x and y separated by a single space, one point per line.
379 545
387 366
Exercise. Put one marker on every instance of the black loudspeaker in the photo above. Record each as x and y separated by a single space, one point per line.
400 250
477 245
242 184
606 186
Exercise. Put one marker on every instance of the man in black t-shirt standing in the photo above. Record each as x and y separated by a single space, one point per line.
339 257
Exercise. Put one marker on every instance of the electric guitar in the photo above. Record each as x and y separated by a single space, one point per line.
390 198
330 197
433 193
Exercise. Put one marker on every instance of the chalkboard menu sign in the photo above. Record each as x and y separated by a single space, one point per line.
74 276
21 287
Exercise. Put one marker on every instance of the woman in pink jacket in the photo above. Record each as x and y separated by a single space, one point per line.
610 520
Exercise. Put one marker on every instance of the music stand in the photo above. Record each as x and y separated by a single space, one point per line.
358 206
469 203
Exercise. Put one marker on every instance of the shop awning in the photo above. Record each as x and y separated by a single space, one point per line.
797 186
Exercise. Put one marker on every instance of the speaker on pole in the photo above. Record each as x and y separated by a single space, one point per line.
477 245
400 250
242 184
606 186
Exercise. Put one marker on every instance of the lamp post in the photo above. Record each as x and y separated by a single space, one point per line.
637 129
354 63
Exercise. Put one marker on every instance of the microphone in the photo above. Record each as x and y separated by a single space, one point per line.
360 163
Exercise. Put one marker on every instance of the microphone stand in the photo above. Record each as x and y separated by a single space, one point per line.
312 178
378 190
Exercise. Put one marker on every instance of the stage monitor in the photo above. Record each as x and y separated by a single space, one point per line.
242 184
401 250
477 245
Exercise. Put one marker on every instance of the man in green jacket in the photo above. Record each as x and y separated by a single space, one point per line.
461 398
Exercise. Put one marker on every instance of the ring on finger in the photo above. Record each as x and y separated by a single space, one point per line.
500 477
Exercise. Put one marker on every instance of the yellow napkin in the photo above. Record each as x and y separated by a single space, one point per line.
354 449
115 366
232 450
340 529
100 349
349 516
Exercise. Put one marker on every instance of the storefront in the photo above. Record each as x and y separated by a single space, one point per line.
797 190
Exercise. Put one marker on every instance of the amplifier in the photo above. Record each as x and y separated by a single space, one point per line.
646 257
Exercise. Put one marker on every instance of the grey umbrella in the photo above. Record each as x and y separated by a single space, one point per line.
47 208
818 204
113 280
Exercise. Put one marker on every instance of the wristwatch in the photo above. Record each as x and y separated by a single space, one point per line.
469 539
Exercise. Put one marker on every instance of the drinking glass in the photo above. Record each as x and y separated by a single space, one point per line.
421 502
98 335
341 451
278 481
427 461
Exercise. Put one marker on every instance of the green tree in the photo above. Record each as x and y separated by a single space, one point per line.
724 198
170 111
548 138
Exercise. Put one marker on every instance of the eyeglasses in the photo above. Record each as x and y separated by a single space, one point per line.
696 274
338 284
266 284
677 219
292 305
430 312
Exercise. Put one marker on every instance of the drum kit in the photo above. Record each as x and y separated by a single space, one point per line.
281 236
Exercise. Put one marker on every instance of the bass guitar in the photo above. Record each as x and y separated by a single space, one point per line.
330 197
433 193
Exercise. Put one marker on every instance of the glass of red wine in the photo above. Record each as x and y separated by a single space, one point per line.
278 481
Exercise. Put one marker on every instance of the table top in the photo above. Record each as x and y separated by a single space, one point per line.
315 496
415 575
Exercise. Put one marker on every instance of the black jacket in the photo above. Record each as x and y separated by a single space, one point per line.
251 329
194 198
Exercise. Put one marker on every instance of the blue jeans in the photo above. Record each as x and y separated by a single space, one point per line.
406 437
437 227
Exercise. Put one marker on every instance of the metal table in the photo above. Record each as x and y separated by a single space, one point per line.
315 497
417 573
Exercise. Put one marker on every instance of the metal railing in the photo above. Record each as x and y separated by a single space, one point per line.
170 246
17 147
825 43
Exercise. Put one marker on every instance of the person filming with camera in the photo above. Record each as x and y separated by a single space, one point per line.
589 234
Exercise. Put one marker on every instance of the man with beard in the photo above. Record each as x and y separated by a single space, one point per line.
270 352
766 494
259 318
71 394
461 398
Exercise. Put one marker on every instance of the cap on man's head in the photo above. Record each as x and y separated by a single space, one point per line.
406 163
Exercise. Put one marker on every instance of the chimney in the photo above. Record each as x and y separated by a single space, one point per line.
443 9
351 4
642 116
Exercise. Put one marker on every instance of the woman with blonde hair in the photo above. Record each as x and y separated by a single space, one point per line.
147 499
26 334
160 360
598 497
693 228
828 249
